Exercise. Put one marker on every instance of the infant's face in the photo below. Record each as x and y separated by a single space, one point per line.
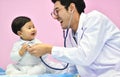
28 31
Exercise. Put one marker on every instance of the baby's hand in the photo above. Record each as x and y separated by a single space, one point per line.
23 49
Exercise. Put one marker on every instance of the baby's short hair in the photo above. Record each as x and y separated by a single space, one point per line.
18 23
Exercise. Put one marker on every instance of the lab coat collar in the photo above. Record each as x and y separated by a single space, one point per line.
80 29
70 41
81 20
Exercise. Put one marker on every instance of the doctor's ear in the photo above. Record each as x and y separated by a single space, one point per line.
72 7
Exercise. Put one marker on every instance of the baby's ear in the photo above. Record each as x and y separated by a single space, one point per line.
19 33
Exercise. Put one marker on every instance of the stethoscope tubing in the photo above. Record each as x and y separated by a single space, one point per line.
65 34
54 67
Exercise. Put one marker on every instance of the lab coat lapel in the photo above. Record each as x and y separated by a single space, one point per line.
81 27
70 41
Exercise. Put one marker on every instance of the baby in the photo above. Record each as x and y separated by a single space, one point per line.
25 63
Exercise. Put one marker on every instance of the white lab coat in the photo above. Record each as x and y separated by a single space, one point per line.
98 50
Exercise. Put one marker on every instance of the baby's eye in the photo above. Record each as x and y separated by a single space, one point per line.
29 27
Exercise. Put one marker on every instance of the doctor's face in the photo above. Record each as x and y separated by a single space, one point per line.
61 14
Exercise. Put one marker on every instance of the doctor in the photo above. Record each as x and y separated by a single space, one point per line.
96 50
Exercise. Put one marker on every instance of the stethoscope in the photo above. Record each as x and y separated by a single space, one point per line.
65 34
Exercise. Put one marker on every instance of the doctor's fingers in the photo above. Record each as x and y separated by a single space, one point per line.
31 50
36 53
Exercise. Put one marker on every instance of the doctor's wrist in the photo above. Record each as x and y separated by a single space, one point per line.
49 49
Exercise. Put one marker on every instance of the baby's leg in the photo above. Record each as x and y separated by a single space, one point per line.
13 70
37 70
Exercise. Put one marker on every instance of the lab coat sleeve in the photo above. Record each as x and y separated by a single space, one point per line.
90 45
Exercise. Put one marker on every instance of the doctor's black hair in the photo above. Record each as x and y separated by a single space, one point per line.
79 4
18 23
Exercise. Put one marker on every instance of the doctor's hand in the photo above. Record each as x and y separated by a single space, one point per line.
40 49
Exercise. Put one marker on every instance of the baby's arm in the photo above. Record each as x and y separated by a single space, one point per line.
23 49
